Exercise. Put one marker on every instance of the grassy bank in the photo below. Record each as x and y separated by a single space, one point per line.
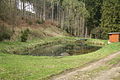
19 67
19 47
97 41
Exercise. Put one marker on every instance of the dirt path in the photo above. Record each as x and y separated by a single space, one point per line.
79 73
109 75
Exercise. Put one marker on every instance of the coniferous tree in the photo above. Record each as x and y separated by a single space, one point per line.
110 21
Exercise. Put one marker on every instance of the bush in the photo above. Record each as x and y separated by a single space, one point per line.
25 34
30 22
97 33
40 21
100 33
5 33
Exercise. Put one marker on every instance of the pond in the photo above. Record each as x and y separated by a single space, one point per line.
63 49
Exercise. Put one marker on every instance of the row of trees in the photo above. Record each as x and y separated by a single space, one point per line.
110 20
77 17
104 17
70 15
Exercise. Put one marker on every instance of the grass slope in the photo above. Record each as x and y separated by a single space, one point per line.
19 67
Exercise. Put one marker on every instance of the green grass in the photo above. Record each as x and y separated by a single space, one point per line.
114 61
97 41
21 46
110 64
19 67
95 72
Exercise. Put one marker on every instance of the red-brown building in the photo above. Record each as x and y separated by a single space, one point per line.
114 37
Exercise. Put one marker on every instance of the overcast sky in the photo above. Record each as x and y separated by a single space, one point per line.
28 7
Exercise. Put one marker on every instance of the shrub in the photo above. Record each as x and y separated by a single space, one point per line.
5 33
30 22
99 33
25 34
40 21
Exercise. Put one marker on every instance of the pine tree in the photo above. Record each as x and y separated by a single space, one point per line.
110 21
94 9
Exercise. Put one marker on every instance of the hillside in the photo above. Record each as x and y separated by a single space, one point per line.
43 30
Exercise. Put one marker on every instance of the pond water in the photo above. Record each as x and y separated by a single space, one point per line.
63 49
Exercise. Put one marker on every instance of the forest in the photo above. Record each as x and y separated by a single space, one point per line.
81 18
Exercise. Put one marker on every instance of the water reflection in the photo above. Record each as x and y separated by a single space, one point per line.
63 49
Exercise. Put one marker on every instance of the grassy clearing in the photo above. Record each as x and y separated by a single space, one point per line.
19 67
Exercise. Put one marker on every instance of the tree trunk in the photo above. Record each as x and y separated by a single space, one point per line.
44 10
52 14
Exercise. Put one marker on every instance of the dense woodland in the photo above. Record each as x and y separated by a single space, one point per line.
82 18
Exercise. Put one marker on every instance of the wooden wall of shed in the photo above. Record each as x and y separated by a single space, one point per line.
114 37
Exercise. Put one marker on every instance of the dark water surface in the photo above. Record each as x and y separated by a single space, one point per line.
64 49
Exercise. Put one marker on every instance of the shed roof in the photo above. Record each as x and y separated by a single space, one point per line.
114 33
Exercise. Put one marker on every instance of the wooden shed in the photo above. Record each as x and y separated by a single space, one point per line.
114 37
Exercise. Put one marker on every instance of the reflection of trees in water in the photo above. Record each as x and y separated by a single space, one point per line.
63 49
81 49
48 51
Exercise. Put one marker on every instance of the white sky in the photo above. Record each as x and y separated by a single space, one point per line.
28 7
